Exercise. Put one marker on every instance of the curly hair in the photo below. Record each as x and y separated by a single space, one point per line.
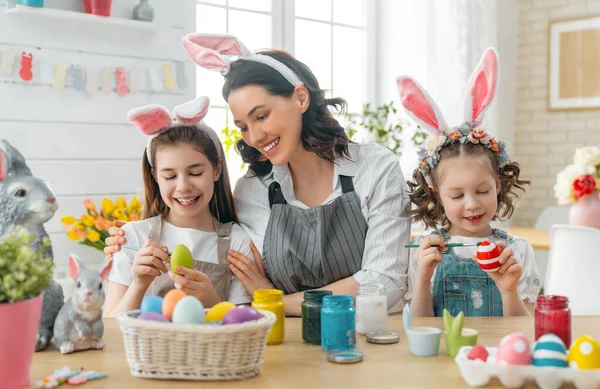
428 207
321 132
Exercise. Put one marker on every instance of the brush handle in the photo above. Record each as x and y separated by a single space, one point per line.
414 246
138 249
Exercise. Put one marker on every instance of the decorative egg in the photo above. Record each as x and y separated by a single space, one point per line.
241 314
514 349
154 316
170 301
549 350
189 310
181 256
487 256
152 304
478 352
218 311
584 353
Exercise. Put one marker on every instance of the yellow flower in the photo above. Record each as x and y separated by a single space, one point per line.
79 225
93 235
88 220
89 204
121 202
67 220
72 235
135 203
108 206
118 213
80 234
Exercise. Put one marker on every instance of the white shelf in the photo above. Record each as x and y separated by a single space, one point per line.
58 15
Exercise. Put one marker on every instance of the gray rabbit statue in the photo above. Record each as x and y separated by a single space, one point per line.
79 324
28 201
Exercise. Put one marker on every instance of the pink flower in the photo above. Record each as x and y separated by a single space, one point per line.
479 134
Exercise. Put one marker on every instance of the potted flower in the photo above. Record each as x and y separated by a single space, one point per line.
24 275
578 185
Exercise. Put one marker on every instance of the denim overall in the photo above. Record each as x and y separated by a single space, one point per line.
461 285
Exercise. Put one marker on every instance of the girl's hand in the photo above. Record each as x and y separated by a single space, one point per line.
195 283
148 263
115 240
250 273
508 275
428 257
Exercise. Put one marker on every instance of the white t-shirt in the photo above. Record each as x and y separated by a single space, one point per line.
529 285
203 246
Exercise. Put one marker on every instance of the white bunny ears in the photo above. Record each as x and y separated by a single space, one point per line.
154 119
216 52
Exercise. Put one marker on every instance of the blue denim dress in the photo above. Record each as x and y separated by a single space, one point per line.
461 285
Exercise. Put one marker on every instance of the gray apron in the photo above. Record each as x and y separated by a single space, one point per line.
311 248
219 273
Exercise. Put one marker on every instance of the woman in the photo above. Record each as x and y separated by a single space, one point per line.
323 212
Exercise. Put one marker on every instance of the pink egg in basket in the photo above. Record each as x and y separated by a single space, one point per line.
487 256
514 349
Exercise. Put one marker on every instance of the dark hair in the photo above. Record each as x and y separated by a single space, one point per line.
321 132
429 208
221 204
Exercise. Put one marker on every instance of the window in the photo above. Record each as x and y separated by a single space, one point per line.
330 36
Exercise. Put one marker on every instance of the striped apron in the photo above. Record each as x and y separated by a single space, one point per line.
311 248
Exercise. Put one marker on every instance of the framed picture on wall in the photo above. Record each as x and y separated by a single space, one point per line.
574 64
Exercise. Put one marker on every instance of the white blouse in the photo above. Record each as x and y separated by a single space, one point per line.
381 188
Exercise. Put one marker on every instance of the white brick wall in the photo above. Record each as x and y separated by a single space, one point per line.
545 141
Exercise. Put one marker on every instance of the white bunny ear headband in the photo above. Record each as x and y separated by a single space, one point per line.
479 94
217 52
153 120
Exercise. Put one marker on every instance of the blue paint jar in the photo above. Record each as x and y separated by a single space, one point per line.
31 3
338 323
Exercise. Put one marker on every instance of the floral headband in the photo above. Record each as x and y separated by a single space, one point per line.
215 52
481 89
154 119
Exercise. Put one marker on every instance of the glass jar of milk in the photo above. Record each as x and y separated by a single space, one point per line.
371 308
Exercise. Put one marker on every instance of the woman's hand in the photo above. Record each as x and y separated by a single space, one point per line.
149 263
195 283
508 275
250 273
115 240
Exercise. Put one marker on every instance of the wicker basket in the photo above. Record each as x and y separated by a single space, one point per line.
194 351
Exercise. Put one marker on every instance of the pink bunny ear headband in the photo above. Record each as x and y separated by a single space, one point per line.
480 92
216 52
154 119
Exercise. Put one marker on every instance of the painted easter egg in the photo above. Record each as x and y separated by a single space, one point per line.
478 352
514 349
181 256
241 314
170 301
584 353
152 304
487 256
218 312
189 310
549 350
154 316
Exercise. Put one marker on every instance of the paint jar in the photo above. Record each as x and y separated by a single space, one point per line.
272 300
371 309
553 316
338 323
311 315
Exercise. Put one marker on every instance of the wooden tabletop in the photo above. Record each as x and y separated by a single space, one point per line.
295 364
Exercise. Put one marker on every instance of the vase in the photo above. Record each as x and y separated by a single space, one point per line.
19 324
585 212
143 11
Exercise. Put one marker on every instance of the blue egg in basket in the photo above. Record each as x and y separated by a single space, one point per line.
152 304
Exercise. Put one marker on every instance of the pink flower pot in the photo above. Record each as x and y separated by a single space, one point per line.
19 324
101 7
585 212
87 4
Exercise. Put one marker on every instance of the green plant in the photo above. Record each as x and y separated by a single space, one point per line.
24 272
230 137
384 124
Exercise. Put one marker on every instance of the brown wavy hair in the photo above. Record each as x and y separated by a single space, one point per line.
428 207
221 204
321 132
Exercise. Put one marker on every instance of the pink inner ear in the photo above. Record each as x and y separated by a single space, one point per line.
222 44
151 120
106 270
202 56
3 167
73 267
414 100
484 86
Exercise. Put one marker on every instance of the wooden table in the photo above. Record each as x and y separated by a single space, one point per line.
295 364
539 239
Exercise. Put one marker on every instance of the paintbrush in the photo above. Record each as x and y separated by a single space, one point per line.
139 248
413 246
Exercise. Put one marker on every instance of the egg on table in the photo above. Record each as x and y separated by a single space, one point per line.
514 349
549 350
584 353
189 310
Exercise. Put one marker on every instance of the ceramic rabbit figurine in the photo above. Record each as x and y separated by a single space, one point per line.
28 201
456 335
79 324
